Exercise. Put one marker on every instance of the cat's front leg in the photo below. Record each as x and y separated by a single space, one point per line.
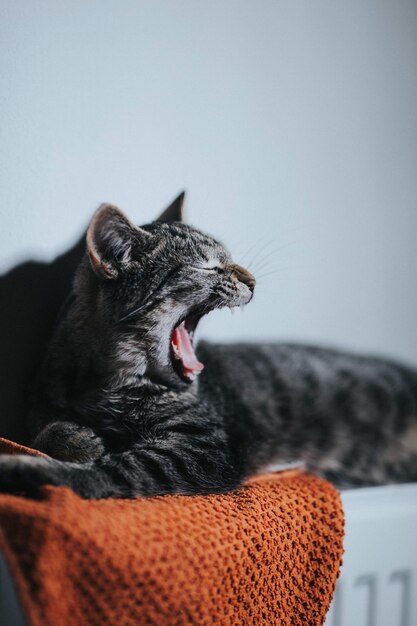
22 474
175 464
68 441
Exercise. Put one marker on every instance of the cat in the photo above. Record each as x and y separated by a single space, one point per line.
125 405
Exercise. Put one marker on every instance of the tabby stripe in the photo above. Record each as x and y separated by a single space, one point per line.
155 466
183 465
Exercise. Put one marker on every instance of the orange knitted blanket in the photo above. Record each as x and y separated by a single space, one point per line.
268 553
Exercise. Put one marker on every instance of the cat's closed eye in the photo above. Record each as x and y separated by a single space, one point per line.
214 269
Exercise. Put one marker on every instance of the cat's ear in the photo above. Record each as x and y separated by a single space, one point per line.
110 239
175 211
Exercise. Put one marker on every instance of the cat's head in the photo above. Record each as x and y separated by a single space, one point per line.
150 286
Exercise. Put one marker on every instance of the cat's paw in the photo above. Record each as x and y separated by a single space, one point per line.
25 474
67 441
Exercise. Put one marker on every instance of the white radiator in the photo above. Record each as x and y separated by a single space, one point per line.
378 582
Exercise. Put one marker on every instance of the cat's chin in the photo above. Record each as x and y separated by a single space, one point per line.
183 356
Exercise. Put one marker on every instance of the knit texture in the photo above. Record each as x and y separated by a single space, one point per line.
268 553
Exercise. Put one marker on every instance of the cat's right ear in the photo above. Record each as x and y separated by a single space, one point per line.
175 211
110 239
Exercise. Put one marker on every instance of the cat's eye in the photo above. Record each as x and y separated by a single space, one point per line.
214 269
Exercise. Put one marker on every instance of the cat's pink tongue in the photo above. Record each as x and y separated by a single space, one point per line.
184 347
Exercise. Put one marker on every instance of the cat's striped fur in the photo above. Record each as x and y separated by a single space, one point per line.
122 416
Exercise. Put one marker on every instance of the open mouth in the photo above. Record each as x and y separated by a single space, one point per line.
183 356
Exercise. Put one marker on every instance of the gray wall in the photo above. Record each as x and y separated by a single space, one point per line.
291 124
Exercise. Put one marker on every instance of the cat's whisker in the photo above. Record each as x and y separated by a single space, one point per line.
261 250
271 253
130 314
264 283
262 266
272 273
279 271
151 328
267 254
258 242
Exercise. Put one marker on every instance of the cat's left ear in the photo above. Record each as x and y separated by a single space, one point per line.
175 211
111 237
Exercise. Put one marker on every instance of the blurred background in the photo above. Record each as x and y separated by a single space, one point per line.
292 126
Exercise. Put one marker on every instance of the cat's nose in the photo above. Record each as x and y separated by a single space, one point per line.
245 277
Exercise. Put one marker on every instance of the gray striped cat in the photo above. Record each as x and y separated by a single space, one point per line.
126 406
